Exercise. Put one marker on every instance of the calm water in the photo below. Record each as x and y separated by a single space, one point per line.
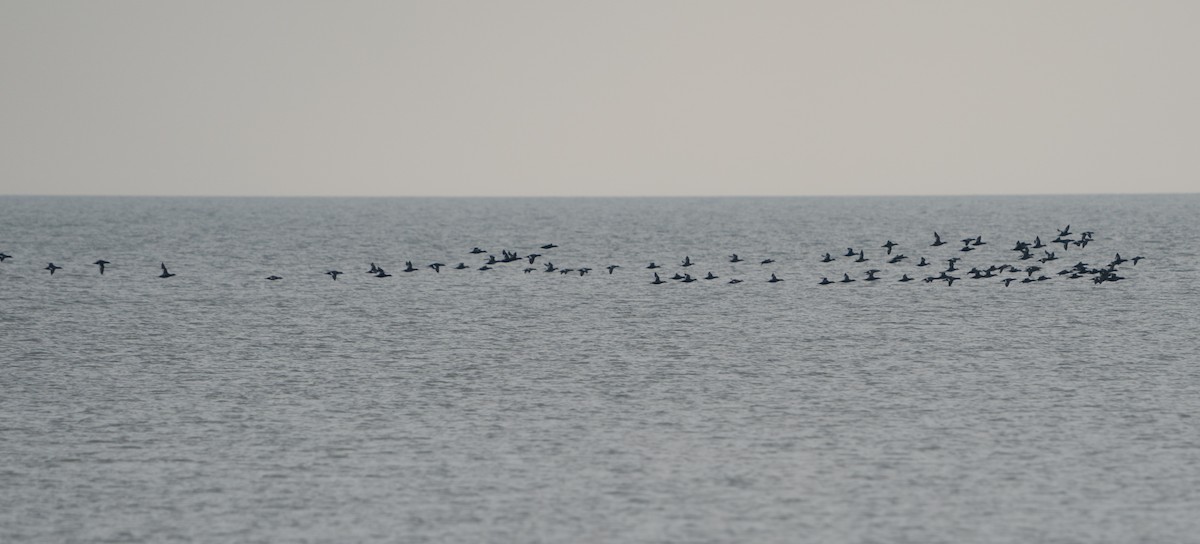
499 406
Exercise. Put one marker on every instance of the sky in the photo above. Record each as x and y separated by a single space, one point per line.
612 98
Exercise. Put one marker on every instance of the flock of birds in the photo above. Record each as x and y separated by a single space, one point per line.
1007 272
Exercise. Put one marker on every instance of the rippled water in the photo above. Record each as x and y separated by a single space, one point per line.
499 406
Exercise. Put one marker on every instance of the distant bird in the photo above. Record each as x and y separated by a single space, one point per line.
687 261
475 251
529 269
1008 281
1066 231
735 281
871 275
1119 260
735 259
549 267
828 258
549 246
711 276
825 281
905 278
653 266
922 263
846 279
437 267
408 267
889 245
374 269
937 240
774 279
767 261
657 280
1136 259
101 264
978 241
165 272
584 271
532 257
862 257
687 278
380 273
1037 243
334 274
461 266
850 252
485 267
52 267
612 267
4 256
897 259
273 277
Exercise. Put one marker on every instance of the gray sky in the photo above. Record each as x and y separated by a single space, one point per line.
598 98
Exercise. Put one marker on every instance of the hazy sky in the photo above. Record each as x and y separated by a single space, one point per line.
598 98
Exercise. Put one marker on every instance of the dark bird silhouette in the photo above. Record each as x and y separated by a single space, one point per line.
767 261
774 279
549 246
711 276
1136 259
653 266
897 259
846 279
687 261
657 280
1037 243
825 281
922 263
484 267
687 278
735 281
101 264
437 267
978 241
4 256
408 267
612 267
862 257
461 266
1066 231
475 251
735 259
889 245
549 266
1008 281
374 269
871 275
334 274
165 272
274 277
529 269
828 258
52 267
937 240
905 278
532 257
380 273
850 252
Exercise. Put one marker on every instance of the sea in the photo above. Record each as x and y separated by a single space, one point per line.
499 406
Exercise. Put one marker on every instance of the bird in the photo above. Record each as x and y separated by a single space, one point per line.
735 259
922 263
978 241
101 264
897 258
774 279
828 258
612 267
735 281
1007 281
1136 259
1037 243
653 266
380 273
849 252
476 250
461 266
273 277
862 257
52 267
825 281
165 272
905 278
937 240
846 278
657 280
767 261
4 256
711 276
687 261
374 269
437 267
871 275
549 267
549 246
1066 231
532 257
485 267
529 269
687 278
889 245
334 274
408 267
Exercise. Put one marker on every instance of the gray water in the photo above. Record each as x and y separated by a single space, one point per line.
498 406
